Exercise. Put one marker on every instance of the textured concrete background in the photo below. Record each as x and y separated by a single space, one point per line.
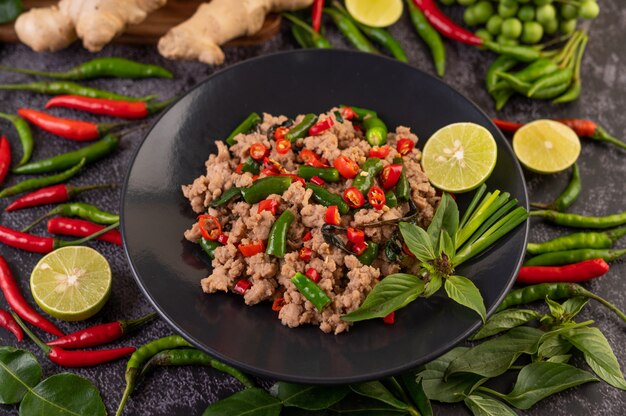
186 391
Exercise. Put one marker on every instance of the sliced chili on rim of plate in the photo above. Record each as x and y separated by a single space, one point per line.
376 197
353 197
347 167
405 146
390 176
210 227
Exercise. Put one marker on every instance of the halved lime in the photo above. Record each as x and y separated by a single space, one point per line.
459 157
71 283
546 146
376 13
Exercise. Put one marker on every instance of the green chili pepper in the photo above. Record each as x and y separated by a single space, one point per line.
90 153
36 183
558 258
311 291
70 88
101 67
25 135
552 92
502 97
403 187
573 92
192 356
367 177
248 124
301 129
581 221
316 39
209 247
328 174
515 83
521 53
578 240
568 196
302 37
360 112
141 356
501 64
375 131
369 254
277 240
251 166
264 187
390 199
81 210
351 31
227 196
554 291
430 36
324 197
558 77
536 70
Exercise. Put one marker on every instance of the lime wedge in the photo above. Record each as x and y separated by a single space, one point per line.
546 146
375 13
459 157
71 283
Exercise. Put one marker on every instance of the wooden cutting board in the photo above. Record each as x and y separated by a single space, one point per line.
157 23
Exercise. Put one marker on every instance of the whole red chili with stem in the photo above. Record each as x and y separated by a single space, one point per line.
52 195
444 25
316 14
66 358
70 129
101 334
8 322
5 158
81 228
573 273
16 301
108 107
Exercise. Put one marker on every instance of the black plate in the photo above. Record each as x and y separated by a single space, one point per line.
169 269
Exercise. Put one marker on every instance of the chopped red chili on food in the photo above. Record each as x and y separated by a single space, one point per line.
294 178
305 254
242 286
332 215
279 133
238 169
270 205
347 113
404 146
355 236
278 304
312 274
376 197
359 248
307 236
309 157
250 249
390 176
283 146
223 239
390 319
321 126
353 197
347 167
317 180
380 151
210 227
258 151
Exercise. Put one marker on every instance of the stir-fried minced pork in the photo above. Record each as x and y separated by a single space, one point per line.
241 263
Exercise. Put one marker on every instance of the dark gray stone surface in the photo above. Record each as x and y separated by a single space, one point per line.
186 391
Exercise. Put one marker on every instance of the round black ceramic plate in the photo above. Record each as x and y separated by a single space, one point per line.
169 269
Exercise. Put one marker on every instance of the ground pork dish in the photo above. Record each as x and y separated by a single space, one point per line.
301 214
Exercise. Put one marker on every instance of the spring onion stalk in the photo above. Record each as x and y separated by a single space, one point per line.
472 206
505 209
486 209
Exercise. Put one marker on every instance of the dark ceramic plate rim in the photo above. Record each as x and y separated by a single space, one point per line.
305 379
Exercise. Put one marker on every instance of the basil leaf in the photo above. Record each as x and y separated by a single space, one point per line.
433 285
413 385
537 381
392 293
456 387
463 291
447 245
418 241
375 390
356 405
446 218
63 394
487 406
505 320
308 397
560 359
598 354
493 357
556 309
249 402
573 306
9 10
19 370
553 345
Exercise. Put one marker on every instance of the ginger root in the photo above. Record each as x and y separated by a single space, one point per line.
96 22
217 22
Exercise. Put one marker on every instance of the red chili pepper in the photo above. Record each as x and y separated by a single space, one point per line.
16 301
390 319
404 146
347 167
81 228
321 126
270 205
279 133
359 248
355 236
353 197
308 157
585 128
332 215
507 126
347 113
43 245
376 197
316 14
238 169
69 129
278 304
51 195
250 249
380 151
242 286
444 25
571 273
390 176
273 165
100 334
223 239
305 254
7 322
317 180
106 107
308 236
283 146
5 158
258 151
295 178
312 274
210 233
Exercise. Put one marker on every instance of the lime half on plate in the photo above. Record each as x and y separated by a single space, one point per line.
459 157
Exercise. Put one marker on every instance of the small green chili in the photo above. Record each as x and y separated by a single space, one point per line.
301 129
568 196
227 196
328 174
25 135
578 240
581 221
248 124
403 188
367 177
351 31
277 240
430 36
324 197
70 88
264 187
370 253
559 258
375 131
311 291
209 246
36 183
